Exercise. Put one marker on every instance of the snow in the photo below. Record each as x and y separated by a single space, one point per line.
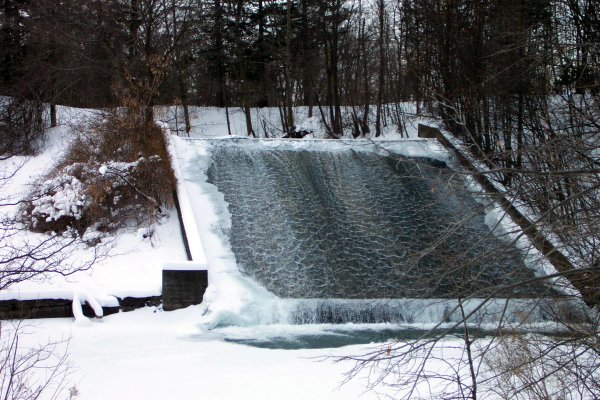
188 354
211 122
157 355
308 124
417 148
63 196
79 298
134 268
188 217
183 266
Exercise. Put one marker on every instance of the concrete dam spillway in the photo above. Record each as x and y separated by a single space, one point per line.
358 225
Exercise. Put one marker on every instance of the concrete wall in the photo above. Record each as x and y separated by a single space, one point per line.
183 288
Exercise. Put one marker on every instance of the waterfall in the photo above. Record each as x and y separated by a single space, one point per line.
346 233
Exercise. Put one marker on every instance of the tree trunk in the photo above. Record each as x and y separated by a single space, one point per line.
288 71
307 65
242 70
219 69
381 77
184 103
53 122
364 123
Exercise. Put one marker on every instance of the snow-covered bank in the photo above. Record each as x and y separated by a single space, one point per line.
156 355
134 265
208 122
133 269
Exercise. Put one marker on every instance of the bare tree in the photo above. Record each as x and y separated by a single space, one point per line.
28 373
467 355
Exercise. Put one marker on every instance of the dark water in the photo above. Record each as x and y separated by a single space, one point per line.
338 338
332 338
358 225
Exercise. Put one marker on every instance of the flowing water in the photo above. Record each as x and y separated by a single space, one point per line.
354 235
358 225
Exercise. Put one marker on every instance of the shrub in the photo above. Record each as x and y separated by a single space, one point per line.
115 174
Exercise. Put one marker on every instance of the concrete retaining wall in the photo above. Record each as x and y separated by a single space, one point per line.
585 283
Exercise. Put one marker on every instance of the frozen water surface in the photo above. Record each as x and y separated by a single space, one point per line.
352 222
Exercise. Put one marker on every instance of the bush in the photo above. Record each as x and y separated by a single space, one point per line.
115 174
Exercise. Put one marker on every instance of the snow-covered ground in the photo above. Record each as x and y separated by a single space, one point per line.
165 355
207 122
195 352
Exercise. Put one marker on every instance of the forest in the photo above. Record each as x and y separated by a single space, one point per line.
517 82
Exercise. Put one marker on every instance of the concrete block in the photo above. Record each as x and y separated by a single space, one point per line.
183 284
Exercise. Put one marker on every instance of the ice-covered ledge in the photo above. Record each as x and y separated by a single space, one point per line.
183 284
188 219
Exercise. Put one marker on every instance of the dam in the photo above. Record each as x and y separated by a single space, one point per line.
355 224
358 233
